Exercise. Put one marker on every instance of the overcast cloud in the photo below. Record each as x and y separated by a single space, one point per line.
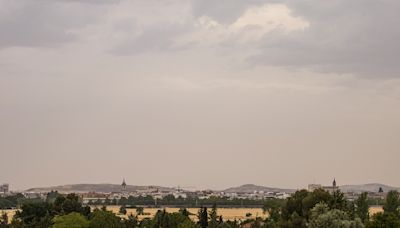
212 93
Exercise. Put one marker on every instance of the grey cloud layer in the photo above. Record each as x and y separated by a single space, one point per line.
44 22
359 37
356 37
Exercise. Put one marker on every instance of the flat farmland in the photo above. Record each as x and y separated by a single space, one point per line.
227 213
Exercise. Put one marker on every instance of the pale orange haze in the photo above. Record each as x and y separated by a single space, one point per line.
199 94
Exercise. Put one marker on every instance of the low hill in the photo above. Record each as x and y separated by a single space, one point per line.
373 187
103 188
247 188
250 188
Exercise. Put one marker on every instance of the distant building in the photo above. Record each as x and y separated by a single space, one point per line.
334 187
312 187
179 194
35 195
123 185
4 189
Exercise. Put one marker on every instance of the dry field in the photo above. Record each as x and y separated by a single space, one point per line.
227 213
10 213
375 209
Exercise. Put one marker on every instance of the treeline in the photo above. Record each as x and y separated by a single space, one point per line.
12 201
320 209
68 212
179 201
15 201
317 209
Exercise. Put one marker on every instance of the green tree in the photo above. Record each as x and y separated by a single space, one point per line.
362 207
3 219
11 201
187 224
161 219
52 196
72 204
257 223
184 212
351 209
294 204
139 210
203 217
323 217
58 204
272 208
6 204
72 220
122 210
36 214
102 219
384 220
164 219
176 219
131 221
317 196
213 217
338 201
392 203
16 223
232 224
295 221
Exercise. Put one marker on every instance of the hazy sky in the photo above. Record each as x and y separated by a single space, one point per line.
201 93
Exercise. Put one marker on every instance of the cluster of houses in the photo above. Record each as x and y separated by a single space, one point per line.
378 195
156 193
179 193
255 195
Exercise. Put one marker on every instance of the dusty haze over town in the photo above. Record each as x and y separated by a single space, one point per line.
200 93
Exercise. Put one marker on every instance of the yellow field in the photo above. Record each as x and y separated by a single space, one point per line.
10 213
375 209
227 213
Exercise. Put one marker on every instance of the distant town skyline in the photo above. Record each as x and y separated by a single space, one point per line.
210 94
311 185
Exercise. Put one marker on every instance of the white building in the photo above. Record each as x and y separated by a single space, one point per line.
179 194
4 189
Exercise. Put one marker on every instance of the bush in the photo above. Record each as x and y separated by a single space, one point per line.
72 220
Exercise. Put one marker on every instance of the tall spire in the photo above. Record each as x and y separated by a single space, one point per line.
123 185
334 182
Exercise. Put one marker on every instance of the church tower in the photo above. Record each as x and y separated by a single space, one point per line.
334 184
123 185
